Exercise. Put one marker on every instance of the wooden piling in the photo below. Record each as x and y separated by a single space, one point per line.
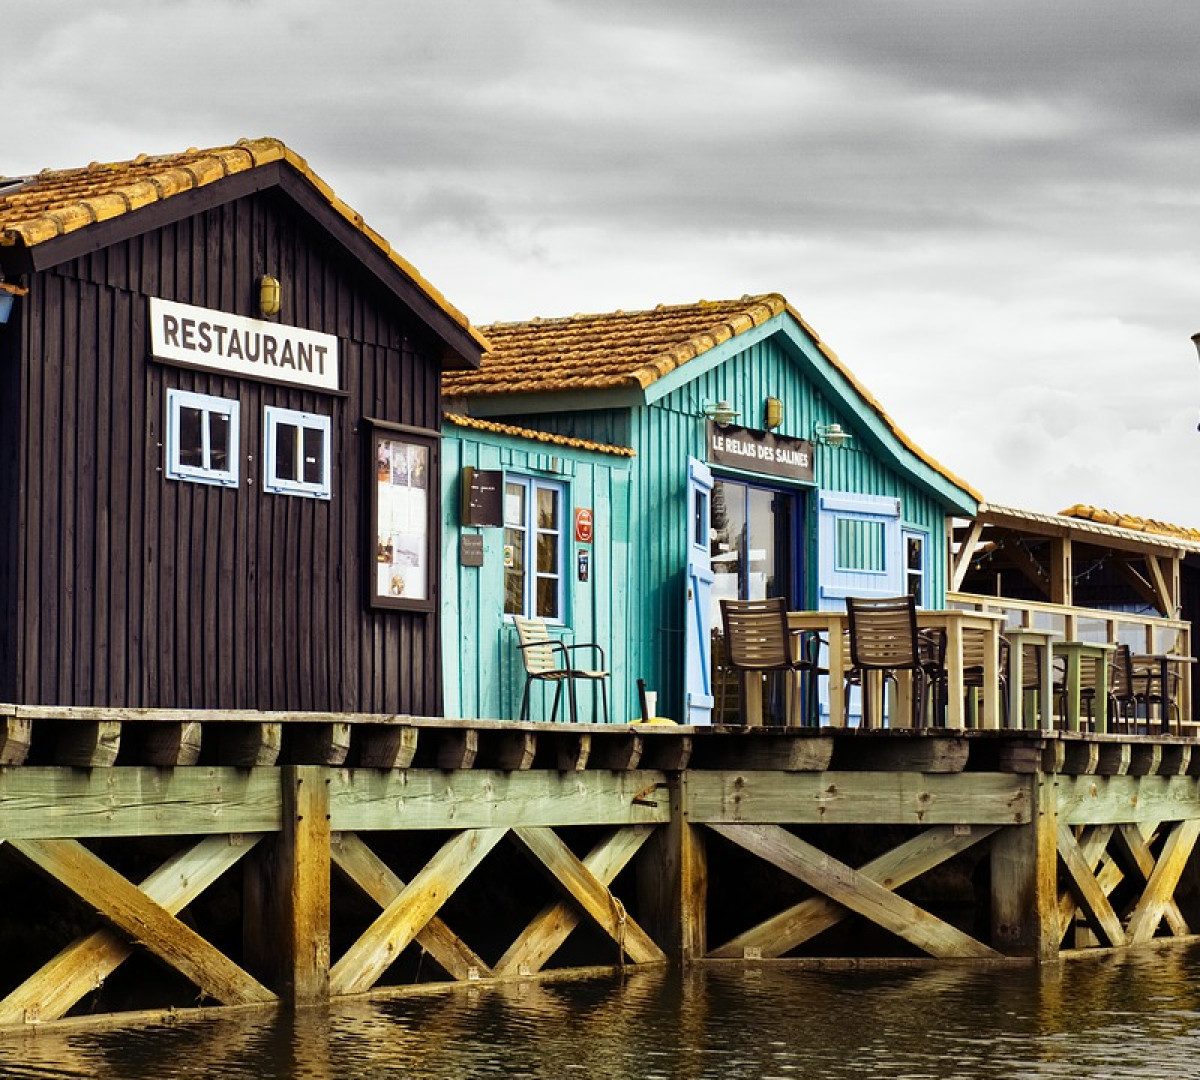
1025 913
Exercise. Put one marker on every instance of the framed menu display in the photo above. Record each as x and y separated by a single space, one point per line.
403 563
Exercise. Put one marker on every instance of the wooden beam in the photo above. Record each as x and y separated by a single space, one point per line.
84 965
616 751
1133 852
859 798
245 745
163 745
962 562
384 746
302 860
801 922
854 890
762 749
1092 901
316 744
387 937
507 750
542 938
129 909
1036 574
15 733
364 801
1160 889
1162 591
78 744
672 881
1096 800
375 878
53 803
1061 587
578 882
1024 876
1135 581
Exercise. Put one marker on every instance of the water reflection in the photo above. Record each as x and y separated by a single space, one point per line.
1120 1016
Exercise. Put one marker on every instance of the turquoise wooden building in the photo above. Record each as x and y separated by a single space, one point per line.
555 546
761 468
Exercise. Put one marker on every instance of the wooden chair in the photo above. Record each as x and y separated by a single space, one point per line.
541 654
974 643
1122 702
884 638
757 639
1148 690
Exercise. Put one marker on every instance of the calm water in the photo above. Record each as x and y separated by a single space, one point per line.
1122 1018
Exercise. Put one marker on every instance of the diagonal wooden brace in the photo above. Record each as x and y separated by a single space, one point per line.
375 878
129 909
591 894
1160 888
399 923
539 941
801 922
1091 897
1134 851
854 890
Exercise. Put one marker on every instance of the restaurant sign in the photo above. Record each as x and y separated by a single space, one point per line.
760 452
201 337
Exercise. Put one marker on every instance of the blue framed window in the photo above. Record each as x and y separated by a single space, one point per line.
296 455
202 438
534 548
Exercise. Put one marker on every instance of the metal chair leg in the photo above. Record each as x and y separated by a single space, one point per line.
603 698
557 695
571 700
525 700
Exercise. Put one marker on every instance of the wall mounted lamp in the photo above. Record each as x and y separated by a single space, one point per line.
1196 342
832 435
772 413
721 412
8 293
270 295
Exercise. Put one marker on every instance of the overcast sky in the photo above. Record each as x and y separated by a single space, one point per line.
989 210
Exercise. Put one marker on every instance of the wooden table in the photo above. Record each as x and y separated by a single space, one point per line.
953 622
1075 651
1043 640
1163 662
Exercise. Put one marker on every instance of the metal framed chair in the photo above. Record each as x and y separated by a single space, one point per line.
1153 683
540 655
757 639
1122 701
884 638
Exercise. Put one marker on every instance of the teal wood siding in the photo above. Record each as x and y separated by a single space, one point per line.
667 431
482 672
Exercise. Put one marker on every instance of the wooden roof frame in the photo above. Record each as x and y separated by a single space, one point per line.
460 349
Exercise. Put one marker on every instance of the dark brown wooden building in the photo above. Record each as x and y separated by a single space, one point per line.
205 503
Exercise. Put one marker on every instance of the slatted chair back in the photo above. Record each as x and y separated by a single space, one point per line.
883 632
756 634
1031 665
1120 673
537 651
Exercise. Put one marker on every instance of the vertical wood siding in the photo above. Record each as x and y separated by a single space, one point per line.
139 590
667 432
483 673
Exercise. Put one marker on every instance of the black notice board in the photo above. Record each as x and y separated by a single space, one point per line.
482 493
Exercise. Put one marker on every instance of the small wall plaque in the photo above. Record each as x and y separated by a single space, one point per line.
470 549
481 497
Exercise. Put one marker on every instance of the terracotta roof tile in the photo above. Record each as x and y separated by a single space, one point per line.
634 349
538 436
56 202
1131 521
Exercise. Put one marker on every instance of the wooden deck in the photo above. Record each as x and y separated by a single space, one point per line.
649 835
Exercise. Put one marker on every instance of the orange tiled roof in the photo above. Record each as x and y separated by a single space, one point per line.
60 201
1130 521
634 349
476 424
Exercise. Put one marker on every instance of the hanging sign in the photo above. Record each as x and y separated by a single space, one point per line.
481 503
760 452
201 337
583 524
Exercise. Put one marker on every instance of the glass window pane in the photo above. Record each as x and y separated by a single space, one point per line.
915 552
514 504
547 598
514 572
218 441
547 508
760 552
191 435
314 456
285 452
914 587
547 553
728 506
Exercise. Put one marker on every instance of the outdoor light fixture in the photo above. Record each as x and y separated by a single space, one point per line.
1196 342
270 295
831 434
8 293
772 413
721 412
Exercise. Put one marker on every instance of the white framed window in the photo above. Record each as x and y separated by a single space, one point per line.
914 565
534 548
296 453
202 438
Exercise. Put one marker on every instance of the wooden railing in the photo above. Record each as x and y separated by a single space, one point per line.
1142 633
